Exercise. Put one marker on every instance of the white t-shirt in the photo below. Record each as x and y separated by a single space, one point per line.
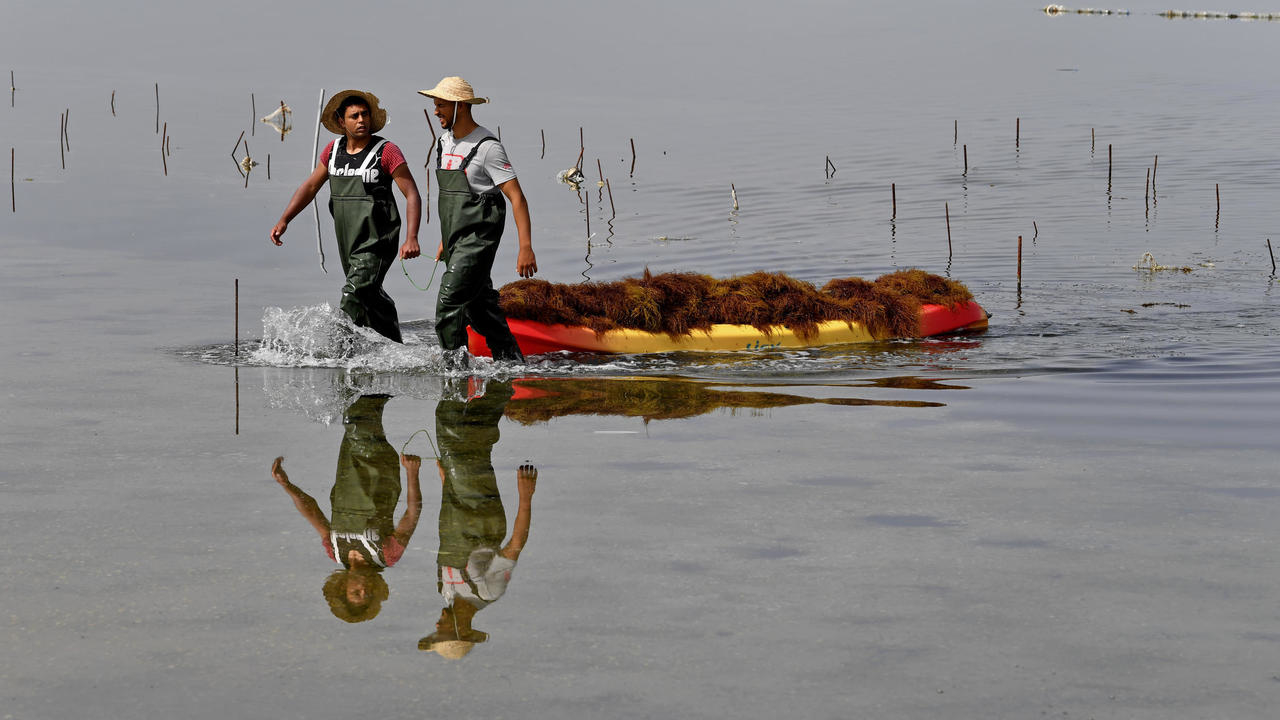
488 169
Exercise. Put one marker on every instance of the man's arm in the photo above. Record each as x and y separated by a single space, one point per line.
413 211
305 503
526 482
526 263
302 197
413 503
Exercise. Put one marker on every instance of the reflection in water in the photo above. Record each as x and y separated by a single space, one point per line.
473 565
360 536
541 399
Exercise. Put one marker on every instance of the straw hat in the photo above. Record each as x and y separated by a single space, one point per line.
454 89
450 646
331 123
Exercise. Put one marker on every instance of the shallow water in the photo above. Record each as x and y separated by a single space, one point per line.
1069 514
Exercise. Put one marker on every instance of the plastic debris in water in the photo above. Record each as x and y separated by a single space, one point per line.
1148 263
572 177
280 120
248 163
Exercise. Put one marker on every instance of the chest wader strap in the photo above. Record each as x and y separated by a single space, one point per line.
369 159
465 161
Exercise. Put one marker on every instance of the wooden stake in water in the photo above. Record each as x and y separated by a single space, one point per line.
600 170
253 112
237 315
1154 167
1017 133
1217 215
893 195
163 158
237 372
956 137
1019 262
66 123
541 132
947 208
1035 228
113 103
13 193
1273 257
62 129
315 152
268 166
633 157
1108 166
157 108
430 126
733 193
608 187
966 159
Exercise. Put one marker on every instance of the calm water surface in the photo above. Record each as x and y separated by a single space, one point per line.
1071 514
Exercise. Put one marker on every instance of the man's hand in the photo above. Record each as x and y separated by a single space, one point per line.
410 250
278 230
526 263
526 479
411 463
277 471
440 251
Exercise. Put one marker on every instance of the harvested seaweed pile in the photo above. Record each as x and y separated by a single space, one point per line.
681 303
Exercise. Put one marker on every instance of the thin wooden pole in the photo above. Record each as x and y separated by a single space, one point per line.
268 166
13 192
315 152
1019 262
544 143
113 103
249 165
600 170
157 108
430 126
893 194
955 139
253 111
237 373
282 109
1017 133
237 315
633 157
947 207
1154 168
66 125
62 129
162 155
733 192
1108 166
1093 139
608 187
966 159
1273 256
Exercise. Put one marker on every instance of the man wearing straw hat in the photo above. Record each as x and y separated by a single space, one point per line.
360 168
474 174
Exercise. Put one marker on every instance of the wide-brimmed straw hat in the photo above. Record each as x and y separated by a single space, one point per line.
330 121
454 89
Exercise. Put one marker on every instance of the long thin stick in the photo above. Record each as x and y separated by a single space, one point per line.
893 193
237 336
62 129
66 123
608 187
1154 168
966 159
1273 257
1108 166
113 103
237 146
282 109
157 108
733 191
166 159
1019 262
633 157
947 208
1017 133
253 121
600 169
315 150
544 143
237 369
430 126
956 138
248 166
13 193
268 166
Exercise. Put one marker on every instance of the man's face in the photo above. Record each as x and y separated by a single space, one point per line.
357 120
445 110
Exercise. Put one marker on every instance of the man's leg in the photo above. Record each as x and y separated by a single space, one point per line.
363 299
466 276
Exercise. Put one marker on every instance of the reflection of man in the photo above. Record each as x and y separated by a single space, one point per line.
473 566
360 537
